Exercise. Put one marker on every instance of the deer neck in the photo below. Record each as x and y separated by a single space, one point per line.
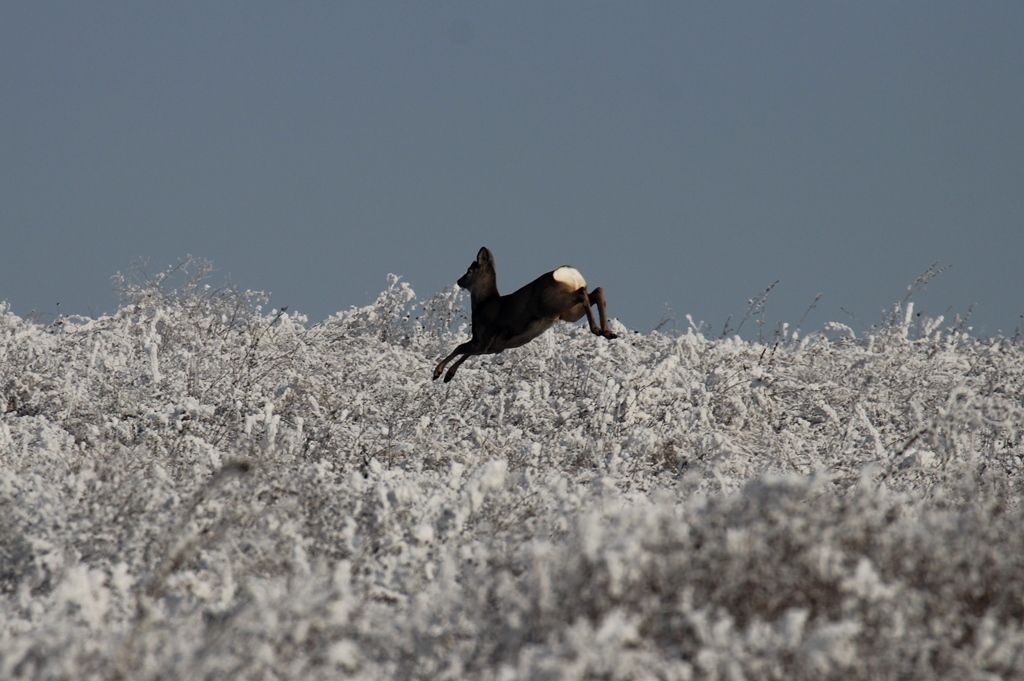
483 293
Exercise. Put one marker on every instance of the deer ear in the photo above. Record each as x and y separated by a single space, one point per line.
484 257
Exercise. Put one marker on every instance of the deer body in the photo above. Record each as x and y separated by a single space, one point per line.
502 322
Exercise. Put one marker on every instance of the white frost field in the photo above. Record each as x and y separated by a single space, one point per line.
197 488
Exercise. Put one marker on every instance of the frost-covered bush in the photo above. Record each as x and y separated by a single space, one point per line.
199 487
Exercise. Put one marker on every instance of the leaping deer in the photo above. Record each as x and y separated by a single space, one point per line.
502 322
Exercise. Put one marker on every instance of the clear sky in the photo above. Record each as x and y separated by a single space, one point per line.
679 153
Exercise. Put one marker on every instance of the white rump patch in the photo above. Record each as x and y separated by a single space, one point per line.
571 277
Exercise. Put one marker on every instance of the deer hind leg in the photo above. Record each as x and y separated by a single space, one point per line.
595 297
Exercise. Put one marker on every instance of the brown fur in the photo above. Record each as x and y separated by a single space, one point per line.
502 322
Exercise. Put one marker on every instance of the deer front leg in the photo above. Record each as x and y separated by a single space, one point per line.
466 349
478 348
455 367
597 296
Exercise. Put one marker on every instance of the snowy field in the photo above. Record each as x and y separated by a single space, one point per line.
197 487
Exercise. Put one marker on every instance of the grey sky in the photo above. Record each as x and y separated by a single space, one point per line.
679 152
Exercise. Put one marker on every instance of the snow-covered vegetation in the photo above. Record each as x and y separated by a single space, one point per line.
195 487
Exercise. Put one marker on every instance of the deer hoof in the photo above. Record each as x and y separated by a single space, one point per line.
437 372
609 335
